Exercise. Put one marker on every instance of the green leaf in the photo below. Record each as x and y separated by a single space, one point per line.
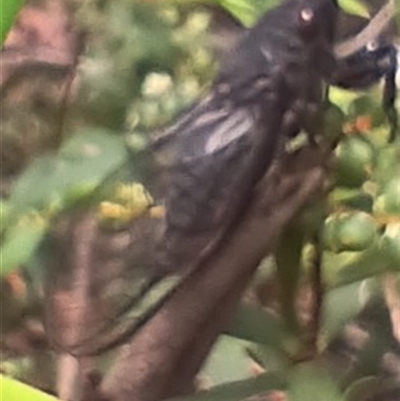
342 98
255 324
13 390
312 382
340 306
9 11
243 10
237 391
247 11
20 242
362 265
82 164
228 362
35 186
270 359
355 7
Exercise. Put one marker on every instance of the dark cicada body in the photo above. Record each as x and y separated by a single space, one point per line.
270 86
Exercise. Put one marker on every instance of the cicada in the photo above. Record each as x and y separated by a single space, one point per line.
270 86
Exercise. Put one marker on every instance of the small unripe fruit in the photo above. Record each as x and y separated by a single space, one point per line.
355 160
349 232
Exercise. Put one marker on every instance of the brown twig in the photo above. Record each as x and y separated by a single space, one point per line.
317 295
377 24
69 84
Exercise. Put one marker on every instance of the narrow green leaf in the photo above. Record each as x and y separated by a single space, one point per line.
363 265
237 391
228 362
255 324
312 382
247 11
82 163
270 359
355 7
13 390
20 242
34 187
340 306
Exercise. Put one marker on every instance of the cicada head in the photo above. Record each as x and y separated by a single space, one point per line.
309 20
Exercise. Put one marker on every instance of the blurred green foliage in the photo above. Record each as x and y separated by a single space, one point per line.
145 62
13 390
9 10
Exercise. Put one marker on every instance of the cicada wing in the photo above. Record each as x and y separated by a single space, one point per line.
93 281
126 275
223 151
